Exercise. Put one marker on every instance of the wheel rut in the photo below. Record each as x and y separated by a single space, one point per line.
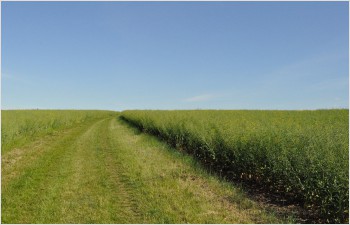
30 185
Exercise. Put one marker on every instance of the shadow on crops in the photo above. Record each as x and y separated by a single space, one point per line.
282 205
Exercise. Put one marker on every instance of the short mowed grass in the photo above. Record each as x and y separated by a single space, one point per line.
302 155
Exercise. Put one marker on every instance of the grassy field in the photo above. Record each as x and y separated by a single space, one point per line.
22 126
95 168
302 155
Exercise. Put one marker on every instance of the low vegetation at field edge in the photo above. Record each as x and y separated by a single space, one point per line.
299 154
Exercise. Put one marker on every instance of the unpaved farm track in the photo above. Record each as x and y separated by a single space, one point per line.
105 172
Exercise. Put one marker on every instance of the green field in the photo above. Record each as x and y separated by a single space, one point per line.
21 126
95 168
303 155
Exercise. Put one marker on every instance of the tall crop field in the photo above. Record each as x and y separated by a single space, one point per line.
300 154
21 126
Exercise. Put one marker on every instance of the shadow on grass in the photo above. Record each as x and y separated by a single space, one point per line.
282 206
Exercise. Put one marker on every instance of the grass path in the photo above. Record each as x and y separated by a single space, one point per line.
106 172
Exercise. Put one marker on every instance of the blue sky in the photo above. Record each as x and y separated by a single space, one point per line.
175 55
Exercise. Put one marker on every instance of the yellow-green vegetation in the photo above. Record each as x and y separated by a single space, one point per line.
299 154
103 171
22 126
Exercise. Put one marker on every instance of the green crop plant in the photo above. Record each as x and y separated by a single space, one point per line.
302 155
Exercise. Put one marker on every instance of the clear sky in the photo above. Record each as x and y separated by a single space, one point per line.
175 55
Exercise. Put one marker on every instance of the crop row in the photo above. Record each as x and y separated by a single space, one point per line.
299 154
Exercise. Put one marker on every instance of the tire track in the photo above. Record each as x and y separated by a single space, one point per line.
15 162
33 191
77 193
96 193
72 178
115 170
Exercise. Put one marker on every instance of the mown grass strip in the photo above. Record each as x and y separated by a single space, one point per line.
74 181
36 185
93 192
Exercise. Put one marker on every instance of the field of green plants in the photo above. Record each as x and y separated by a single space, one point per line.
18 126
299 154
91 167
